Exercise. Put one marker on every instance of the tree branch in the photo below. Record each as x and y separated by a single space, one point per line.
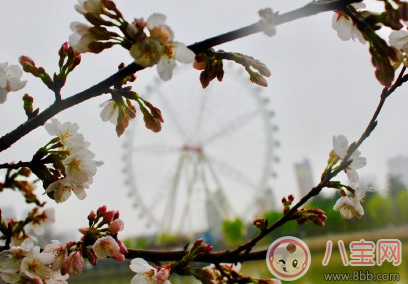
308 10
243 252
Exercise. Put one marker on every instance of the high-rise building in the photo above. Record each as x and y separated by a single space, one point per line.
304 176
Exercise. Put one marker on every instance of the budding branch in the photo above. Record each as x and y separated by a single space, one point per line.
310 9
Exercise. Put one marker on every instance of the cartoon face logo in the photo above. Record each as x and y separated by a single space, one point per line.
288 258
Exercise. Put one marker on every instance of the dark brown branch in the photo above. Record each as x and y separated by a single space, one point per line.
216 257
325 181
308 10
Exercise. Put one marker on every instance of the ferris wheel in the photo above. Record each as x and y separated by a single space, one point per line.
213 159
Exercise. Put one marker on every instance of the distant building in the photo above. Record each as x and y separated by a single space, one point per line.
398 167
304 176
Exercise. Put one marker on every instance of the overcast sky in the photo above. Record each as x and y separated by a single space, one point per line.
320 87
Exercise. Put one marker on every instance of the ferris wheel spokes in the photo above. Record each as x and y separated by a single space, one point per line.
231 126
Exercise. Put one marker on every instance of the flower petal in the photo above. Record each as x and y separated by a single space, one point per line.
340 146
352 176
139 265
183 54
165 67
155 20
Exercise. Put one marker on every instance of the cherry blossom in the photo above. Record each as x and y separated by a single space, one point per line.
90 6
350 206
73 264
340 148
34 264
160 48
110 111
81 38
67 132
10 260
10 80
62 189
59 252
80 166
105 247
115 226
147 274
345 27
399 40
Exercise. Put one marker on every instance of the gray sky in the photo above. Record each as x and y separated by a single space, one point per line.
320 87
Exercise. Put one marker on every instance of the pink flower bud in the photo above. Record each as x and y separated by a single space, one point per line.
73 264
92 258
92 216
108 216
63 50
115 226
163 275
28 65
116 216
291 198
122 247
101 211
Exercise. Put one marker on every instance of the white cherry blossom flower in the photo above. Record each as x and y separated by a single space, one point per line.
81 38
10 260
63 188
350 206
59 251
80 166
167 62
107 247
399 39
34 264
109 111
160 48
345 27
340 147
10 80
145 273
67 132
90 6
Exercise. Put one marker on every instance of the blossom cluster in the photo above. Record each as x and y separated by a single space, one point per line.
26 264
149 42
10 80
78 162
101 236
345 27
349 204
13 232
